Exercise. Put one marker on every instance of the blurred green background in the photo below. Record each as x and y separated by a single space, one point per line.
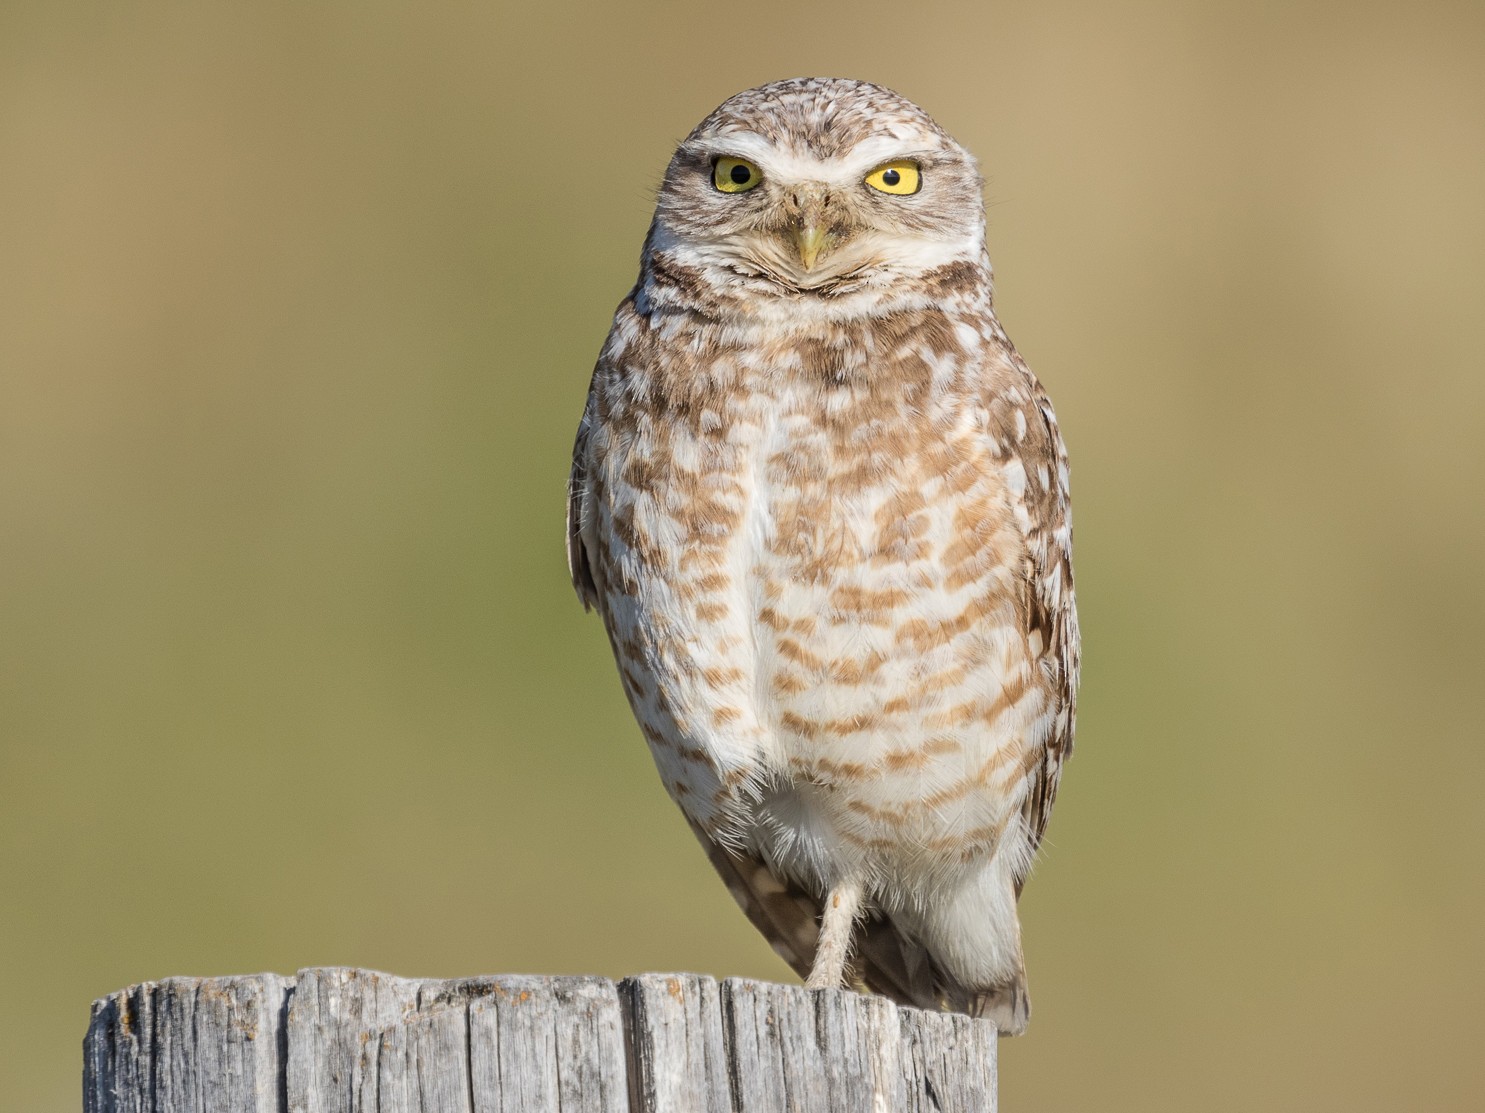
298 305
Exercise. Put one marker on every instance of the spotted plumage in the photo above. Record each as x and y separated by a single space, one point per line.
822 507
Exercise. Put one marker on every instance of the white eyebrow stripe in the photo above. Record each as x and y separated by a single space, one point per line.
879 149
802 166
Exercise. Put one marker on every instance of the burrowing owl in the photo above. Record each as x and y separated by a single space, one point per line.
822 507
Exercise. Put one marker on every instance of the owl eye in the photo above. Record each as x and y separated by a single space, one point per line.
735 175
901 178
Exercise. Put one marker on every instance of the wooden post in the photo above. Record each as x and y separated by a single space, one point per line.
355 1041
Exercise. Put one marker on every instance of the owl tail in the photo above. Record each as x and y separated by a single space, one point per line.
1009 1006
892 963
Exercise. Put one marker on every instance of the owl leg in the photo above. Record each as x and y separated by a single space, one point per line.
839 915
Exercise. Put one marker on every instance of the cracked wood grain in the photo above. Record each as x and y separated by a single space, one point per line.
357 1041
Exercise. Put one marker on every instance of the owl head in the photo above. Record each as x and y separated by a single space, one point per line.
813 187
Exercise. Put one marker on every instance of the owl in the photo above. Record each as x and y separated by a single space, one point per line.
821 505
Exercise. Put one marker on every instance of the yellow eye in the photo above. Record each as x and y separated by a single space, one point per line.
735 175
900 178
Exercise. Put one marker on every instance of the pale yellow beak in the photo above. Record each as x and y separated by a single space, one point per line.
811 240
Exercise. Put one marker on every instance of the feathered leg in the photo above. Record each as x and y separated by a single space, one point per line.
842 904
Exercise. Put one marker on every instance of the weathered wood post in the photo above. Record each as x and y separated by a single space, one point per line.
355 1041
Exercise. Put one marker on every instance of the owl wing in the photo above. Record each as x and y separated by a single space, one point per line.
1049 603
578 565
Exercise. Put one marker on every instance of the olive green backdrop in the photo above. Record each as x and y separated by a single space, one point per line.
298 304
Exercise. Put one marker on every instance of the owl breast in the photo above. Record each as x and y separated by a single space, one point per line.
816 592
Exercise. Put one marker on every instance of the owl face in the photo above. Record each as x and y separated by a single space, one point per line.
815 185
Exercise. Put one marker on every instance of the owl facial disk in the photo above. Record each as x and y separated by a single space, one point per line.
817 209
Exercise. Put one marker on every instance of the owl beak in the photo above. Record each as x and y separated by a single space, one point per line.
809 209
810 237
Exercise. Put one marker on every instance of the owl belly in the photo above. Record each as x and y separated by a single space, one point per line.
819 634
893 674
